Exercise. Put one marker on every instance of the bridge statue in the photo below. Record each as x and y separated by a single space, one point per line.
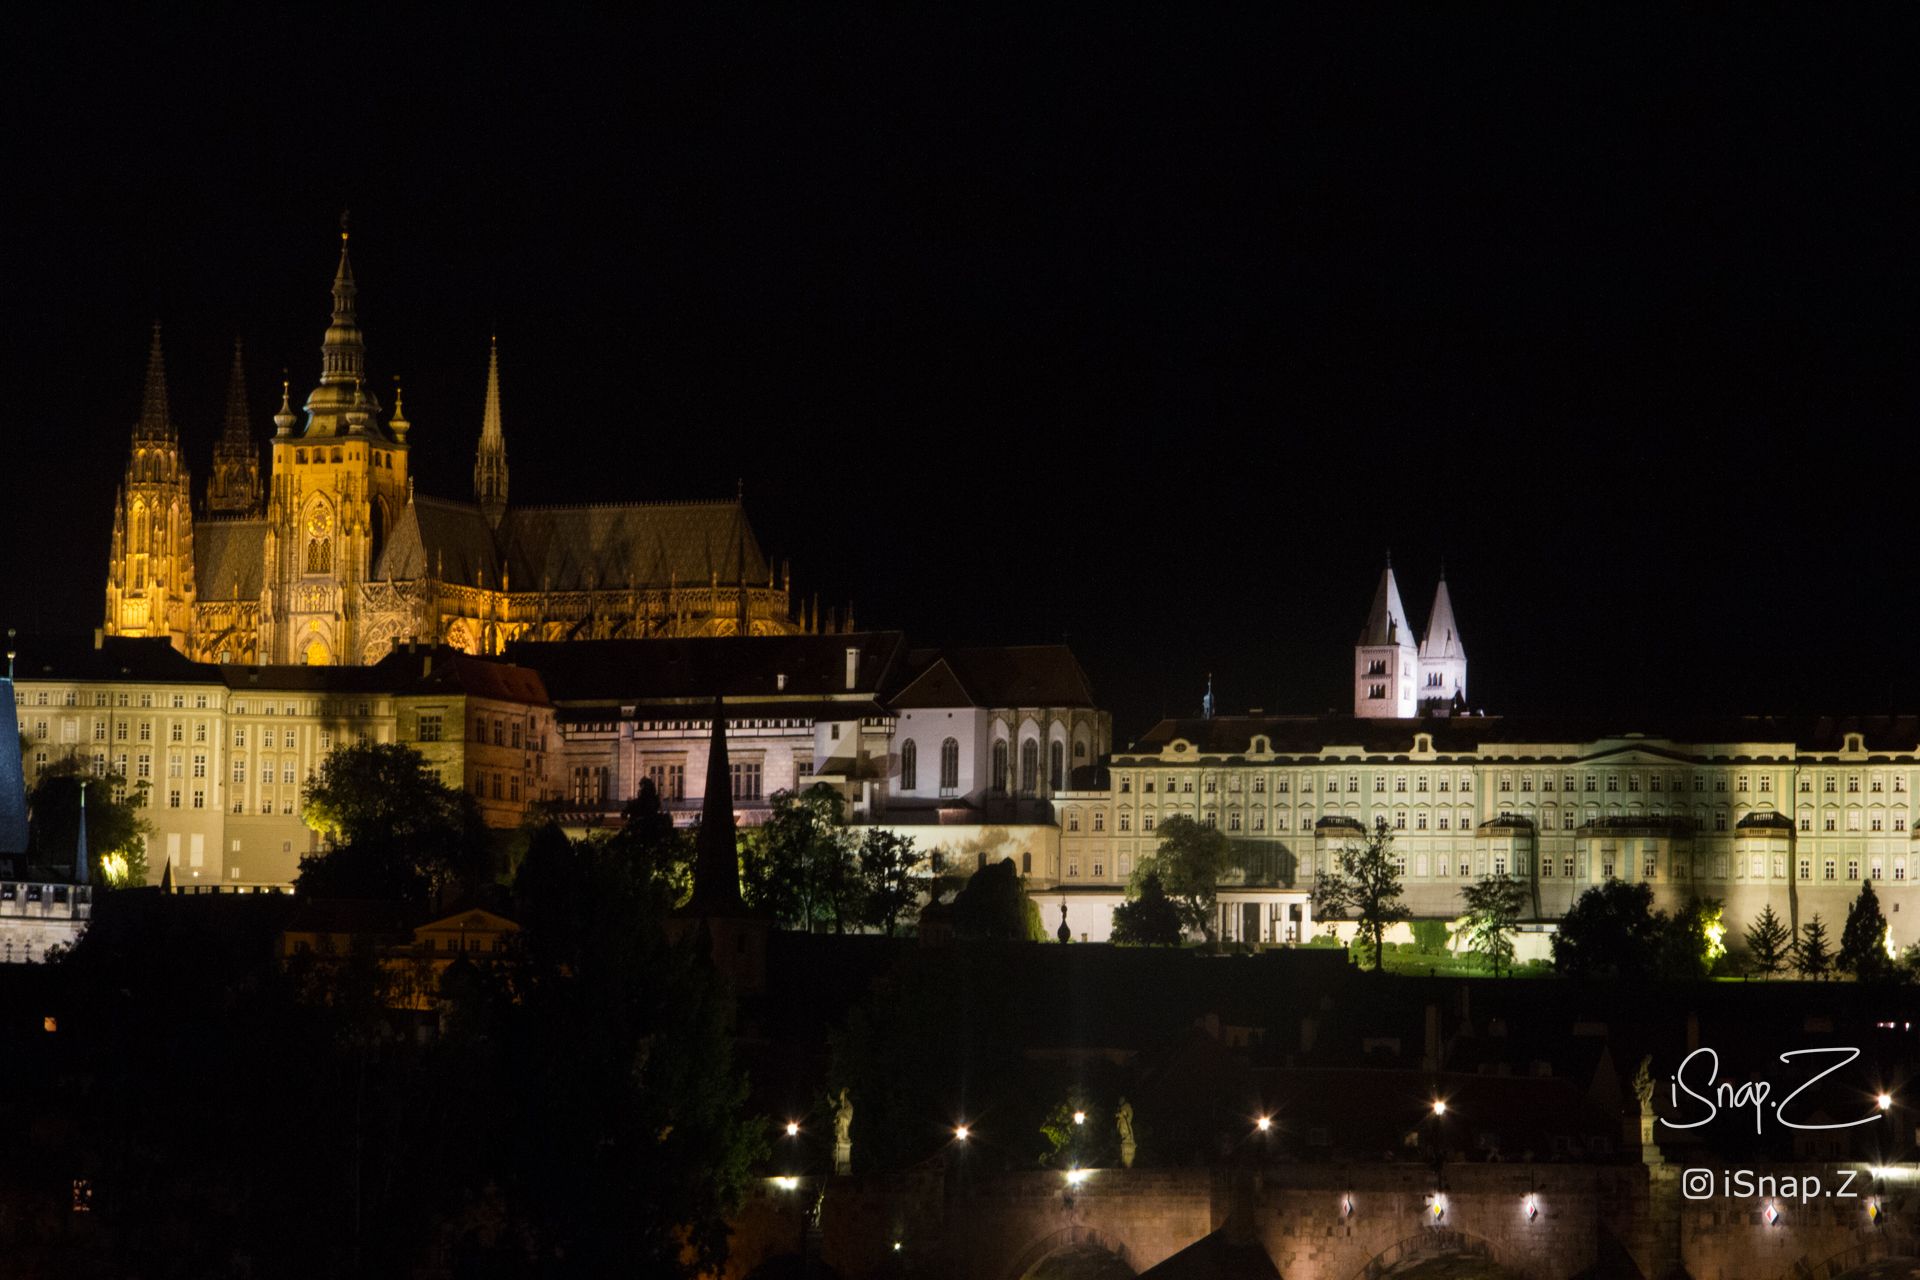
843 1134
1123 1121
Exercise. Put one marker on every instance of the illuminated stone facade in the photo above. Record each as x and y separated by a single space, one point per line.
224 750
338 560
1751 810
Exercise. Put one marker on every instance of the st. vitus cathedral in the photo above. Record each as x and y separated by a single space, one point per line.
336 558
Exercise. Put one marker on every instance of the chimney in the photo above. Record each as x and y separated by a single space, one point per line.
853 666
426 665
780 681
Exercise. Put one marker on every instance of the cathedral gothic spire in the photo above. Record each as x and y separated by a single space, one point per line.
490 467
156 417
343 354
234 487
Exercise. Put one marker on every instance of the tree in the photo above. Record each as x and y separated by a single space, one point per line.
1687 944
660 854
1367 884
1810 952
800 864
1611 929
1148 918
891 880
393 829
1189 862
116 844
1073 1142
1863 942
1769 943
1493 904
994 904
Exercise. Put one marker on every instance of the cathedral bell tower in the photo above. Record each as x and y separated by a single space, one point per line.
339 481
150 570
1386 666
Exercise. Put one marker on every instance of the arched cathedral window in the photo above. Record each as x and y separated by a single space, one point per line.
1000 767
320 555
949 766
1029 767
909 765
1057 766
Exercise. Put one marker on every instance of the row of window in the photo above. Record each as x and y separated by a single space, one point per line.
949 766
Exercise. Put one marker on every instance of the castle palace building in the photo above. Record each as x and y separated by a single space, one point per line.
335 559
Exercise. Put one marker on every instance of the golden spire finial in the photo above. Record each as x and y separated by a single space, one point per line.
343 225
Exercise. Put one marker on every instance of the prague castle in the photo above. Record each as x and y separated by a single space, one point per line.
332 558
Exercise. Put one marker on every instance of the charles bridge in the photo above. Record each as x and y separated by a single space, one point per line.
1322 1222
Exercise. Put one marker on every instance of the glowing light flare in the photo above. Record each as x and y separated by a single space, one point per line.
1884 1101
1771 1213
1437 1206
1531 1205
793 1128
1079 1117
1346 1206
1716 933
1263 1123
786 1182
114 868
1076 1176
961 1132
1439 1106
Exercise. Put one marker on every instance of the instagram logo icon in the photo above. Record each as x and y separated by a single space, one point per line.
1697 1184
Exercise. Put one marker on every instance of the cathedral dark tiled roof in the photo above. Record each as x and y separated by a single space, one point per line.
608 547
229 558
437 538
584 548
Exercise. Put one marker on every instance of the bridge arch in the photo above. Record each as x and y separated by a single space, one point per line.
1406 1256
1078 1242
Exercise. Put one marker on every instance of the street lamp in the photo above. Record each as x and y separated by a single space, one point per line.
1263 1123
961 1132
793 1128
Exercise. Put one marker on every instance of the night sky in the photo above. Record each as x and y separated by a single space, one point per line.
1151 335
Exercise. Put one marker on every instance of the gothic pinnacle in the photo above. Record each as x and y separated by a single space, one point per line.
156 419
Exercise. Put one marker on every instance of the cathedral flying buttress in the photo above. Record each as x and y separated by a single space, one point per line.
336 558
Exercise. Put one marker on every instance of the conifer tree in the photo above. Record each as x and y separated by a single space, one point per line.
1769 942
1811 955
1863 943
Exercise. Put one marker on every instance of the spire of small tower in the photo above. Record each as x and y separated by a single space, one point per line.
80 858
716 862
283 420
234 485
1387 619
1443 633
490 467
235 430
156 418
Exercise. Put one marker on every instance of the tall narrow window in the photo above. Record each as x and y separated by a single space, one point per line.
1029 767
1057 766
1000 767
949 767
320 555
909 765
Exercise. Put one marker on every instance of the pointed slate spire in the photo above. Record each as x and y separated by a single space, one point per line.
490 466
1443 633
156 418
80 858
235 432
166 878
716 863
1387 619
